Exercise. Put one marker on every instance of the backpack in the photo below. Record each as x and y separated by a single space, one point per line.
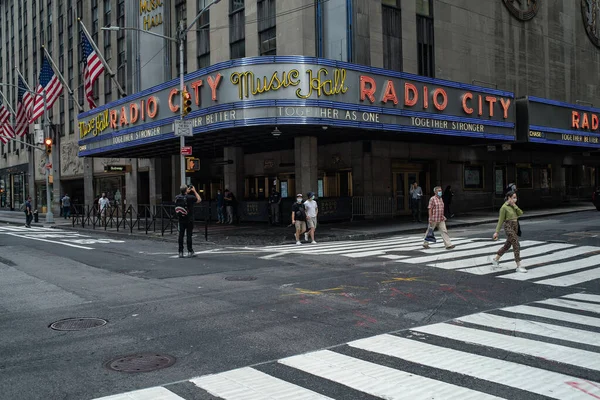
301 213
181 208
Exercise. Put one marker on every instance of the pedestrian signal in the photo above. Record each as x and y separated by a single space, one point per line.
192 164
48 143
187 102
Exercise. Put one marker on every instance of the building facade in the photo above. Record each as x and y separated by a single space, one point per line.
352 99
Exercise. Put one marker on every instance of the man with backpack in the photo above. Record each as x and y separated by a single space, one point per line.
299 217
184 208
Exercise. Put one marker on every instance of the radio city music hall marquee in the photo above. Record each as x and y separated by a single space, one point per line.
351 96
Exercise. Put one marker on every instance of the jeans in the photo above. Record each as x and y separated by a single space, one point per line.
416 209
28 219
230 214
220 215
67 212
186 228
275 213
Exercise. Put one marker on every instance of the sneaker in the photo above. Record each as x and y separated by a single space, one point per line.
450 247
495 263
181 254
425 245
522 270
191 254
298 243
313 242
306 237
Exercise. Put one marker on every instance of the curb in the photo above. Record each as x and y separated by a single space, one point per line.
358 236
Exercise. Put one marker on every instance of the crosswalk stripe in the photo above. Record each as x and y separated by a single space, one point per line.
346 243
401 247
557 268
572 279
376 246
535 380
377 380
548 351
393 257
250 384
458 254
155 393
572 304
459 247
533 328
553 314
583 296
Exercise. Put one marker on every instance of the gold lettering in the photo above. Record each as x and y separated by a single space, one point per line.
537 134
249 85
327 87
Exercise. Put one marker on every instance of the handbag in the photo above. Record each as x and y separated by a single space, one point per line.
429 237
518 228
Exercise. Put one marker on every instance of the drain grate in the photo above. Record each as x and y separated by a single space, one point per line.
78 324
240 278
140 363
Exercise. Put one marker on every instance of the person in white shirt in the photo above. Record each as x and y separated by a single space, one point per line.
103 204
311 217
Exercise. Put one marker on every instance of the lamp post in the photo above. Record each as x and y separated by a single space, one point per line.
46 125
180 40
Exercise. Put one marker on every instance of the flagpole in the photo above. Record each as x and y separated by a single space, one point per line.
62 79
111 73
7 102
24 80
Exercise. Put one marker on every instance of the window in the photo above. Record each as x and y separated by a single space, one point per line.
237 29
334 33
267 34
107 36
107 88
95 20
203 36
62 116
71 118
392 35
425 49
121 59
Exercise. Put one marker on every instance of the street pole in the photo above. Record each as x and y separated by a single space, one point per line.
181 87
49 215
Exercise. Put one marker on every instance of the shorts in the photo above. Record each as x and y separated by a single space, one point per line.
300 226
312 223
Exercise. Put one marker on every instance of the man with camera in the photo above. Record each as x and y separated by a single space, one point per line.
184 209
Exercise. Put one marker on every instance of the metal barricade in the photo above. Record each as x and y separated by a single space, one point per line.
372 206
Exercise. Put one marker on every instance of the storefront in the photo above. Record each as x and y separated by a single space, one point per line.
14 187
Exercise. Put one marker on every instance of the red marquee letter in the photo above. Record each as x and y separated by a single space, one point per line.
409 89
440 92
214 83
466 108
505 105
389 93
367 91
575 120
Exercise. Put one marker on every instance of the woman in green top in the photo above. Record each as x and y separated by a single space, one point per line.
509 217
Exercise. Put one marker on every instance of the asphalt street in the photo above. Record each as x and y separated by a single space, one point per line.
232 307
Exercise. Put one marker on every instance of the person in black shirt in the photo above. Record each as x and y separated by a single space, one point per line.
184 208
299 217
28 213
275 201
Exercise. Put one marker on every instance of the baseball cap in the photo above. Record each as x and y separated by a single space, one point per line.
299 195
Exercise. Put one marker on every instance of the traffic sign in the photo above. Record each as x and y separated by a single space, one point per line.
49 166
183 127
186 151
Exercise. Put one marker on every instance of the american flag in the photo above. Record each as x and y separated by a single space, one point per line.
7 132
24 108
93 68
53 87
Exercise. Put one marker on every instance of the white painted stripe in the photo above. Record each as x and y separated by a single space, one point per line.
572 304
395 239
547 351
554 269
572 279
465 253
250 384
400 247
393 257
583 296
319 248
508 259
533 328
459 246
553 314
364 254
53 241
535 380
378 380
155 393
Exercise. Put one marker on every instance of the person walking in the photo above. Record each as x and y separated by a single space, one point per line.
184 208
416 193
229 200
275 201
447 198
103 204
220 207
509 218
66 204
437 218
299 217
312 210
28 213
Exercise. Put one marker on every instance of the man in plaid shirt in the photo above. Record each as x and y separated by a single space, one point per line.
436 217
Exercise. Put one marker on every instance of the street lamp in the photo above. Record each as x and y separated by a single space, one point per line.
181 36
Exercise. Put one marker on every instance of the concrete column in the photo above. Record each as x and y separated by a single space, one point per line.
409 37
131 184
56 176
307 170
252 40
88 181
175 178
234 173
155 181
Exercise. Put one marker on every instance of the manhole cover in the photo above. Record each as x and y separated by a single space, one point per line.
240 278
77 324
140 362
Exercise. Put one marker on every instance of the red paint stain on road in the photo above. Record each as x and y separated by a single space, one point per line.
396 292
450 289
348 296
580 386
365 319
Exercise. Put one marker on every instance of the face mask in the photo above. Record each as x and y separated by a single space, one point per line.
299 200
439 194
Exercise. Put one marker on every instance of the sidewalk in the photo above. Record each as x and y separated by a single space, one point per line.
257 234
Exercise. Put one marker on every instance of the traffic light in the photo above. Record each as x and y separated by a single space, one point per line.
187 102
192 164
48 143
